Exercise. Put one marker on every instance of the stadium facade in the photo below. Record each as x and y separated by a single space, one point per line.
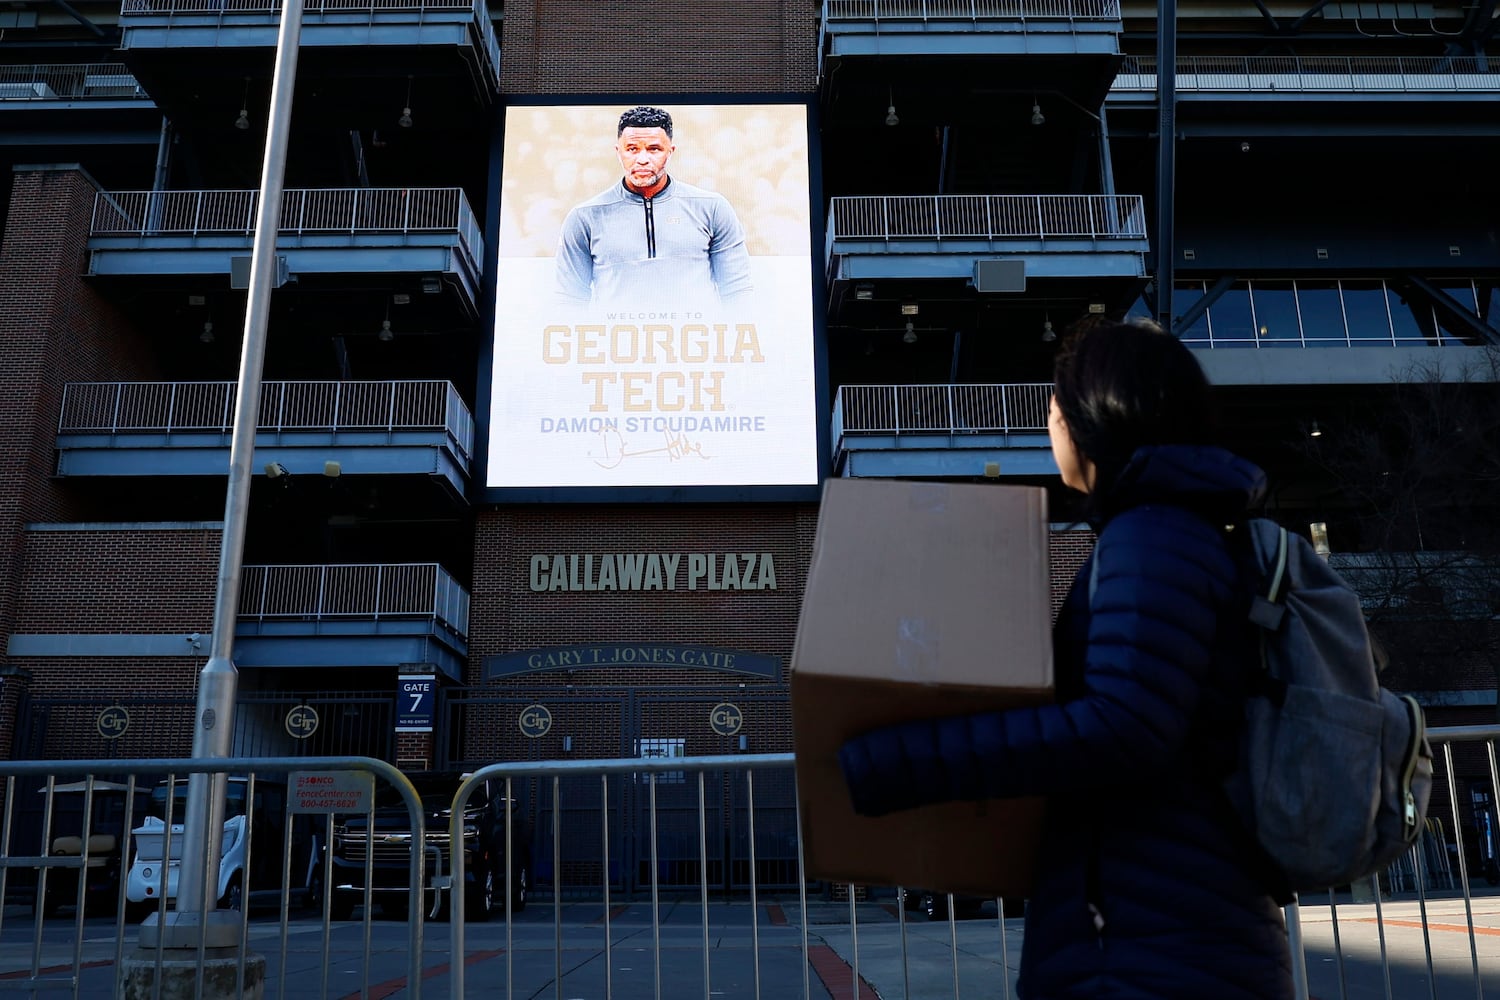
452 557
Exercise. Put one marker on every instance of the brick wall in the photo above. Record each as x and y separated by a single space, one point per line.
113 581
507 615
673 47
130 580
55 329
1068 550
587 704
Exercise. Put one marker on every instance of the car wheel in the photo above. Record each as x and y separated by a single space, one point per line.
935 906
479 905
51 902
968 909
341 906
233 898
520 888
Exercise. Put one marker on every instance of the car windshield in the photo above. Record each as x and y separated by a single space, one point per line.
435 790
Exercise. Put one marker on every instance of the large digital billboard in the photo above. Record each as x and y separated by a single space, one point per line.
653 310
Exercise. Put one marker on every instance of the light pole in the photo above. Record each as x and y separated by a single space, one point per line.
213 725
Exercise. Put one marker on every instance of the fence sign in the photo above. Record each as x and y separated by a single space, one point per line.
415 695
331 791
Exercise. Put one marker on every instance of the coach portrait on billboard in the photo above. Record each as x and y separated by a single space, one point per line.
651 236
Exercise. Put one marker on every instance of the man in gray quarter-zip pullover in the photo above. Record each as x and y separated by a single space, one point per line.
652 240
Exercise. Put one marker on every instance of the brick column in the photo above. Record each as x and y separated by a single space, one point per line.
54 328
14 683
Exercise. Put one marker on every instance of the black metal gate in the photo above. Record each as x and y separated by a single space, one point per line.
484 726
336 723
316 724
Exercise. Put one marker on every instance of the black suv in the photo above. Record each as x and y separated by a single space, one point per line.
484 851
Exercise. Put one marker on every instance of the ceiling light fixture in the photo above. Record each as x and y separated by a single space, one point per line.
1037 118
910 336
405 120
1316 431
243 121
890 111
207 336
909 308
385 334
1048 334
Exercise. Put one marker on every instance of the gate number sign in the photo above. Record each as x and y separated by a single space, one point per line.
415 695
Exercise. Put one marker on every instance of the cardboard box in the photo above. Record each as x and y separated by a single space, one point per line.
923 600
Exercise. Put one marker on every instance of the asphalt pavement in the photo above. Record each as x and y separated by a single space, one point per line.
564 952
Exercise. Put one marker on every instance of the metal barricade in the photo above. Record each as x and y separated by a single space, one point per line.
713 926
118 843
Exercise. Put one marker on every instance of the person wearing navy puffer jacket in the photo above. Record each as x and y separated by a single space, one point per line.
1147 885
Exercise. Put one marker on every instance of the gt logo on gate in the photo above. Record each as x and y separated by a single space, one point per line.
726 719
301 721
535 721
112 722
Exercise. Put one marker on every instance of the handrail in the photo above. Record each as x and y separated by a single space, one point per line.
129 7
303 211
172 407
343 591
969 10
1316 73
322 210
69 81
987 216
976 408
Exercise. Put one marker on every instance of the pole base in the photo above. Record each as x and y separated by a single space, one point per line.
180 971
215 929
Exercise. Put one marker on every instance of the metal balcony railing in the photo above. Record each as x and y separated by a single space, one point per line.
303 211
987 216
69 81
1270 74
167 407
274 6
347 591
489 42
943 409
969 10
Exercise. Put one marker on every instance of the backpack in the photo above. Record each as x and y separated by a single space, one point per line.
1335 771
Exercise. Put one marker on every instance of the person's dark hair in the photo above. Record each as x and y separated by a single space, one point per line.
1121 386
643 116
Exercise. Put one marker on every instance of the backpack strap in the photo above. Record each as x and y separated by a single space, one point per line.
1268 608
